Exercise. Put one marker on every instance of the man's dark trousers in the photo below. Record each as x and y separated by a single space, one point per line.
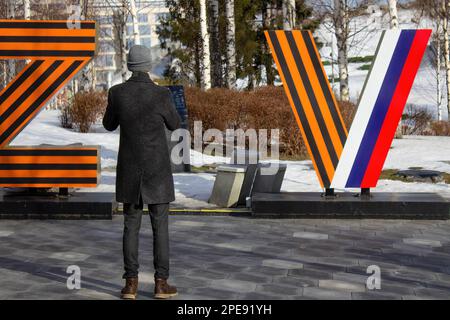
160 225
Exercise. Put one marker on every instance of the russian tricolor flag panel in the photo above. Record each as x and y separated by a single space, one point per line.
380 108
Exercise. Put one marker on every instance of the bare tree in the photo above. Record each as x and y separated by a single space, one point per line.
341 23
393 13
342 18
288 14
216 56
445 11
394 25
134 19
11 70
430 13
206 51
120 35
231 43
26 10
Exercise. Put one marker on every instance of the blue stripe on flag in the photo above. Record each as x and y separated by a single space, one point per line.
380 109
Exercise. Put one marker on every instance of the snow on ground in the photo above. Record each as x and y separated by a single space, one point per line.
193 190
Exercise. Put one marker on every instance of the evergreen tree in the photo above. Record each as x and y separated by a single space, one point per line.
180 33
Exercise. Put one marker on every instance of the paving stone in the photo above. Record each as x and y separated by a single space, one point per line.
213 293
233 285
323 294
96 295
310 235
250 277
395 288
433 293
414 297
235 246
351 277
225 267
190 282
296 282
308 274
404 273
341 286
267 271
277 289
282 264
374 295
187 223
260 296
324 267
207 274
69 256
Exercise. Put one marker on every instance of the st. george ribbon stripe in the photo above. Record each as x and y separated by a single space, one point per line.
325 180
49 39
312 98
380 109
46 53
16 104
332 104
31 180
16 84
47 152
6 134
43 25
47 166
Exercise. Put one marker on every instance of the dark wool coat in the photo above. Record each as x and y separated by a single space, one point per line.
142 110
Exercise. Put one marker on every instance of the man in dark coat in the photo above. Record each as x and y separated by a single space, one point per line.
143 110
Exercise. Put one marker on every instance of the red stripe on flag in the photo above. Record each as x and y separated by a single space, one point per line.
396 107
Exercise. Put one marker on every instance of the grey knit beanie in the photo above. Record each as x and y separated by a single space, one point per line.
139 59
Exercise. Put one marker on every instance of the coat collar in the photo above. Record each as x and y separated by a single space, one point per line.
139 76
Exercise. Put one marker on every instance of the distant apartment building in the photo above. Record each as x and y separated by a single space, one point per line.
107 62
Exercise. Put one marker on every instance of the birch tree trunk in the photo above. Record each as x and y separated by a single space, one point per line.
11 70
216 57
134 20
206 52
438 73
123 51
341 32
231 44
26 10
445 8
268 60
288 14
26 14
394 25
393 13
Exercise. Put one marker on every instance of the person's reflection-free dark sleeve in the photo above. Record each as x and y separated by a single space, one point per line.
170 114
110 119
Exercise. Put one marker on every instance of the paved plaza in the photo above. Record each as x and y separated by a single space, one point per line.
221 257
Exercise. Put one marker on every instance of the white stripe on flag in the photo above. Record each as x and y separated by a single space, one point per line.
366 104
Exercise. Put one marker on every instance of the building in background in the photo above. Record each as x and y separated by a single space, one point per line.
107 63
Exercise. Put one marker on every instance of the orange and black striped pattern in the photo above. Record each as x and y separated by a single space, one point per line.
55 55
311 98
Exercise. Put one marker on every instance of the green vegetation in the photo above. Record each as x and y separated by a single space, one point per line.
365 67
391 174
364 59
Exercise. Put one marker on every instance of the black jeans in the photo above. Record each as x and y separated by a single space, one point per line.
160 225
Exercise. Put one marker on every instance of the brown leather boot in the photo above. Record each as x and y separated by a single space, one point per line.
163 290
129 292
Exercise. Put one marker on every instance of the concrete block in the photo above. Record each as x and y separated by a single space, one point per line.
228 185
